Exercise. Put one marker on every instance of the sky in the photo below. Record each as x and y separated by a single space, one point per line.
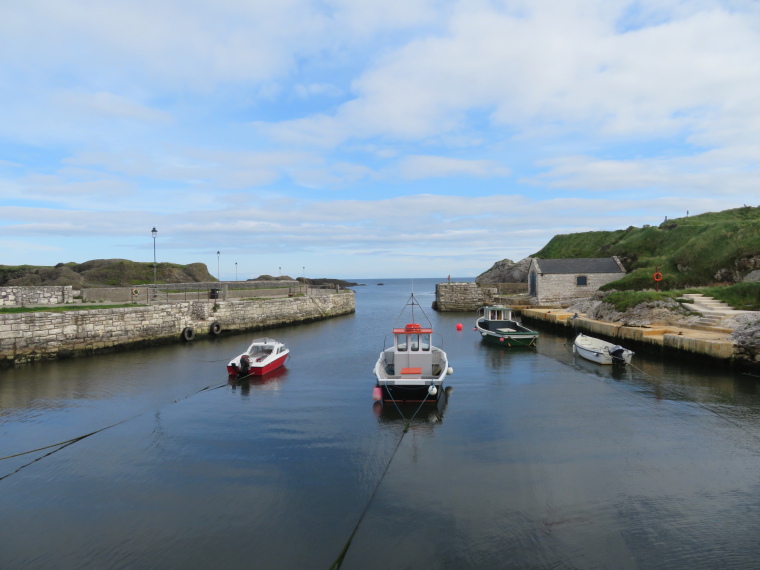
366 138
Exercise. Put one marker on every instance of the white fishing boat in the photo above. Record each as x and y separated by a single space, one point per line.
601 351
412 369
262 356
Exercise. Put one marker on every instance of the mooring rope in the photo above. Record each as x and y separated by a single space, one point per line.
339 560
63 444
660 383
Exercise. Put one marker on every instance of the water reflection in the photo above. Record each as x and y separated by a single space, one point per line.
606 372
417 415
271 381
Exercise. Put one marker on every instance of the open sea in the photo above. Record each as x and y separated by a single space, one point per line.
534 460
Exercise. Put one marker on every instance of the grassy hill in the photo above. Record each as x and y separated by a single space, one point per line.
103 273
716 248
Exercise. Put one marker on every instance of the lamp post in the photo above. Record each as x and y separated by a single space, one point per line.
236 271
280 273
218 274
154 233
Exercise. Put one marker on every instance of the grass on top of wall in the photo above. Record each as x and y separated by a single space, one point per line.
62 308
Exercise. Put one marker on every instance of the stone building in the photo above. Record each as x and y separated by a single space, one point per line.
562 281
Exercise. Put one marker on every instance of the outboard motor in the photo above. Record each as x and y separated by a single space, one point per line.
245 365
618 354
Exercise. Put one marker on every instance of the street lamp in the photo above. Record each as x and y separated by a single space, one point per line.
154 233
218 274
236 271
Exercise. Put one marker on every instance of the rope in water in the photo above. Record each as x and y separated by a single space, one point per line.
339 560
62 444
660 384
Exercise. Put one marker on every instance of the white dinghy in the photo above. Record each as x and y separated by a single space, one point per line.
601 351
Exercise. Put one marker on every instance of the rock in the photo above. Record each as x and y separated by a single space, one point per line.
746 337
667 312
753 276
506 271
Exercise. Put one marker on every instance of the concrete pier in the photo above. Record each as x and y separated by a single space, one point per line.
706 342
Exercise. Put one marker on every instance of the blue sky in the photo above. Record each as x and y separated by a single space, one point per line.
366 138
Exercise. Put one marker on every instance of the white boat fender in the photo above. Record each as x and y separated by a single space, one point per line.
432 390
449 370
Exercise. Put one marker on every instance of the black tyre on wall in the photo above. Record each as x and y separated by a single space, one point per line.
188 334
215 328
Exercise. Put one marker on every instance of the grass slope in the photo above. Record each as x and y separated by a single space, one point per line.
716 248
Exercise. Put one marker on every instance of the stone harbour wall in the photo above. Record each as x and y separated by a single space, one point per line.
17 296
27 337
458 297
472 296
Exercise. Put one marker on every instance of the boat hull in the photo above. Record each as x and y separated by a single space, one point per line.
260 368
510 340
401 394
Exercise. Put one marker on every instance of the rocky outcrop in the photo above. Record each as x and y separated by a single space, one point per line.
741 267
746 337
506 271
666 312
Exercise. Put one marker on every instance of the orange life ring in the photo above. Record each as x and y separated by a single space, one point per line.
657 276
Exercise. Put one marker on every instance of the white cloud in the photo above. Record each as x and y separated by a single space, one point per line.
109 105
416 167
229 122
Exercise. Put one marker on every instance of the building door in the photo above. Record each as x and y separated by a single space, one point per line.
532 284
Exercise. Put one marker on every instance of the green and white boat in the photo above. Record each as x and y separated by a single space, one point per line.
496 325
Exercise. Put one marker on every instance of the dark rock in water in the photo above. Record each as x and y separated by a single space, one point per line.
381 283
327 281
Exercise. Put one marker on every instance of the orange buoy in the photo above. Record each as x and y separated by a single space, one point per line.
459 326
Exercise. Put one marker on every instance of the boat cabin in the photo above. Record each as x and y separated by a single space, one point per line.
496 313
412 354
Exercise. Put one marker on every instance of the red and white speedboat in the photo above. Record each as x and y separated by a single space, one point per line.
263 356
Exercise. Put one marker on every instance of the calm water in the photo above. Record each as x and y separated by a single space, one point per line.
536 460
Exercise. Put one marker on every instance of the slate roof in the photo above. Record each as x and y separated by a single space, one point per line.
582 265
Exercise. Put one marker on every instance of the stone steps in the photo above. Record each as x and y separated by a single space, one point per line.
713 311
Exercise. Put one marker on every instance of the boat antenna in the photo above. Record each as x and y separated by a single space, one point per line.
413 302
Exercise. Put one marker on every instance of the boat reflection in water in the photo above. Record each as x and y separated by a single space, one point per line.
271 381
607 372
414 413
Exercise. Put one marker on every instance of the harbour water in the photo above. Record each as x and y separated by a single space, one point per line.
535 460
